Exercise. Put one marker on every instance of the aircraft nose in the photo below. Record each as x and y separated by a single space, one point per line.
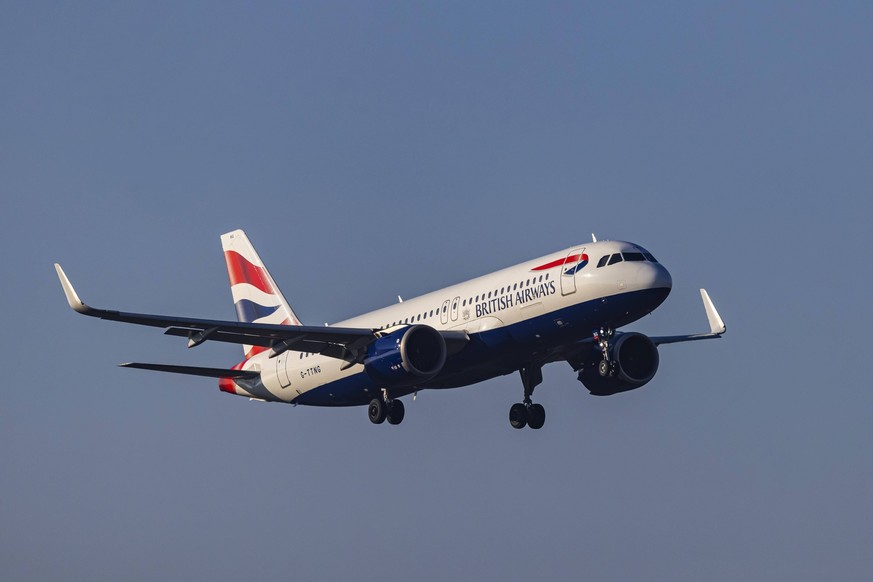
654 276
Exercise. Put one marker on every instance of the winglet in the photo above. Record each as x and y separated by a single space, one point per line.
716 325
72 298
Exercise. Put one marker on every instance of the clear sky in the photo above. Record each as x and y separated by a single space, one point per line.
385 148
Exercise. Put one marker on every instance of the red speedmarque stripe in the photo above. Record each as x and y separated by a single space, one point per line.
241 270
559 262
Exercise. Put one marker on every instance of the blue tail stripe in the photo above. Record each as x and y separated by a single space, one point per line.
249 311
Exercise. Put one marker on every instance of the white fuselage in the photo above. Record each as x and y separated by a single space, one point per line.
520 300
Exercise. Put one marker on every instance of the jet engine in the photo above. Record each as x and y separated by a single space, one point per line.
406 357
633 362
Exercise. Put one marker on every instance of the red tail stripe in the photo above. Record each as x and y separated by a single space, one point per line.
240 270
255 351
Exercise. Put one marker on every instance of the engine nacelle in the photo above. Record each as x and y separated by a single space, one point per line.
406 357
636 361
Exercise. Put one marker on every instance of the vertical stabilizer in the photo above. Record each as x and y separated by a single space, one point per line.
256 296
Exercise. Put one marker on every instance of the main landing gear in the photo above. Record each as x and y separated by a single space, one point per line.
605 367
528 413
386 408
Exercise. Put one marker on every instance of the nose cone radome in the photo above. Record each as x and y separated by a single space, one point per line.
663 278
654 276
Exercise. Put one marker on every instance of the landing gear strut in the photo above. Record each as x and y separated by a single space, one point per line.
386 408
526 412
605 367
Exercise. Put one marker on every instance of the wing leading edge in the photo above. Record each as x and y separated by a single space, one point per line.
335 342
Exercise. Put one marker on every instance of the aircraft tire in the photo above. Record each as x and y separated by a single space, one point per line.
377 411
396 412
603 368
536 416
518 415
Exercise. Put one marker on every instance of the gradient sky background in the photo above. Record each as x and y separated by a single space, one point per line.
376 149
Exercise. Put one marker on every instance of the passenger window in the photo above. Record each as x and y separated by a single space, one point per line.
514 287
633 257
616 258
602 261
547 276
541 278
502 289
464 303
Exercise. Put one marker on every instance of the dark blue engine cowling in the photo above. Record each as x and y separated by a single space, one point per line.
636 358
406 357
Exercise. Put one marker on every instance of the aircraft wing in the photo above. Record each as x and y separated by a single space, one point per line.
716 329
336 342
716 325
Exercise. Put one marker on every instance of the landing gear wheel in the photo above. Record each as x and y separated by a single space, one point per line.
536 416
518 415
377 411
603 368
396 412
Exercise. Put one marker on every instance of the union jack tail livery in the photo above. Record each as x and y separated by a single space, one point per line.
256 296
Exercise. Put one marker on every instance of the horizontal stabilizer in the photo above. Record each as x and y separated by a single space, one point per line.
194 370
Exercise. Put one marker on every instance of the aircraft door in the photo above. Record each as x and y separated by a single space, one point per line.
444 312
568 271
282 361
455 303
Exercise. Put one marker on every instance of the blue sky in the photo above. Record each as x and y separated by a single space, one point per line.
377 149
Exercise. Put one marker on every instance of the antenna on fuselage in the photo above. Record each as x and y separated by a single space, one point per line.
593 238
399 299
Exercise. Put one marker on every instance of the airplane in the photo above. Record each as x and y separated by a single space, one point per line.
565 306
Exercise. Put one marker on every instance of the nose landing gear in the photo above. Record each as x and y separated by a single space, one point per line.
605 367
527 413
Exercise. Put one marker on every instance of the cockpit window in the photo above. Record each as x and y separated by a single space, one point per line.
633 257
651 257
602 261
616 258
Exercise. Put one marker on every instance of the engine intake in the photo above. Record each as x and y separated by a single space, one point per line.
636 362
406 357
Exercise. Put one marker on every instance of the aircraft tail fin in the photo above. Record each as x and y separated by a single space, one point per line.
256 296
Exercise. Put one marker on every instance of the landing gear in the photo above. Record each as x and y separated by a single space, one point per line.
527 413
396 412
536 416
518 415
605 367
386 408
377 411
